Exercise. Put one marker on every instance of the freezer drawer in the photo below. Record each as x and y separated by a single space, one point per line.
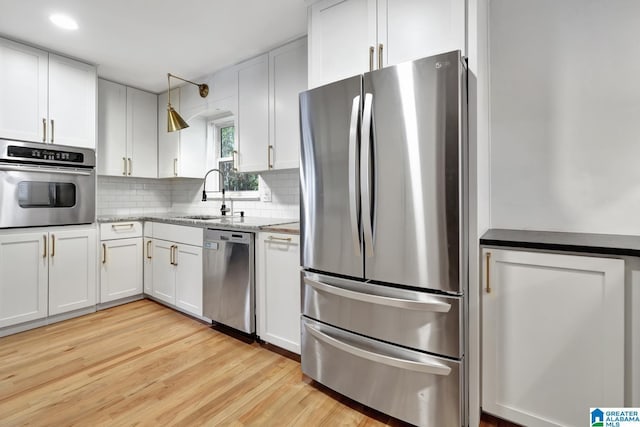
406 384
420 320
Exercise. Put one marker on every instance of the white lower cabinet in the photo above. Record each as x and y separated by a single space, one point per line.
121 260
46 271
278 289
175 265
552 336
72 270
23 277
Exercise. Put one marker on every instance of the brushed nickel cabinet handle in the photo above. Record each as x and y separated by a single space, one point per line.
371 50
53 245
175 167
380 56
128 226
44 239
104 253
235 160
124 166
488 261
284 239
44 130
130 166
269 148
53 130
148 249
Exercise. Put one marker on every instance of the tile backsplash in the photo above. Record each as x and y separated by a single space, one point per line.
135 196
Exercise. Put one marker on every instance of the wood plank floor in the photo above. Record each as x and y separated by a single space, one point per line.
144 364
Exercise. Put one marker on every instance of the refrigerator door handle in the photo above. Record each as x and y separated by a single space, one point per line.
428 305
410 365
365 173
354 171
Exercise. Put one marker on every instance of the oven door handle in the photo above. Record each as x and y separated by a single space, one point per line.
44 169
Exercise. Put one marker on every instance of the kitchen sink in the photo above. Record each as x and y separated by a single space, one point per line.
203 217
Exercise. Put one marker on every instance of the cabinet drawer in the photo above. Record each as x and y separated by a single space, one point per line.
120 230
178 233
409 385
419 320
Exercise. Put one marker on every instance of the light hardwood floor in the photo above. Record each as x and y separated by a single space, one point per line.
144 364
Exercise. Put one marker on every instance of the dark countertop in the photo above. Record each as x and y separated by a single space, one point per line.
610 244
246 223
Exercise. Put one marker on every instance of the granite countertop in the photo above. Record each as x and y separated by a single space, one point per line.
236 222
610 244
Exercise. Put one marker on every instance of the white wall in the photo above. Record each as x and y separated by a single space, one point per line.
138 196
565 110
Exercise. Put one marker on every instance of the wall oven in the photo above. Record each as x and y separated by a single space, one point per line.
44 184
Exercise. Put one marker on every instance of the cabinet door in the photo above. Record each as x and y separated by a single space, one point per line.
23 92
553 336
148 266
412 29
112 121
253 115
142 133
164 272
168 142
287 78
189 279
23 278
342 39
72 270
120 269
278 290
192 160
72 103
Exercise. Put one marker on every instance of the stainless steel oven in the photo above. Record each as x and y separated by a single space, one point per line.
44 184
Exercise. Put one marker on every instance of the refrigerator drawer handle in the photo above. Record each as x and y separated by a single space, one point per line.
410 365
354 206
437 306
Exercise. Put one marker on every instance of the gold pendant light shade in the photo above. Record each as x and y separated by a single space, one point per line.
174 121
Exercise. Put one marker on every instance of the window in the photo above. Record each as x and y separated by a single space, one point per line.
233 181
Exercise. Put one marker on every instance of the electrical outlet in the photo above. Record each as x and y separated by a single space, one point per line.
265 195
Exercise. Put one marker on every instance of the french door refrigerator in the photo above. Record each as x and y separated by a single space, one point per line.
384 238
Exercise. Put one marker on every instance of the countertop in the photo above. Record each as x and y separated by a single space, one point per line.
610 244
246 223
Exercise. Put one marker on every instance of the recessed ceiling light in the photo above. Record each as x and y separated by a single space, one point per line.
64 21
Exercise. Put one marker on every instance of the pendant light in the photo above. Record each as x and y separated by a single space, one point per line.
174 121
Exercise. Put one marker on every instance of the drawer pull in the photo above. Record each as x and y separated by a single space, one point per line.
433 305
123 226
435 368
284 239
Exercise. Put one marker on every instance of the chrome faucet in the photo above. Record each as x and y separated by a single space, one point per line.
223 208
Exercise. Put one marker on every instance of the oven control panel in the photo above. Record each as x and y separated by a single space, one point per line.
27 153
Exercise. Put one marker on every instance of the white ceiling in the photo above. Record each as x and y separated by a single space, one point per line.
137 42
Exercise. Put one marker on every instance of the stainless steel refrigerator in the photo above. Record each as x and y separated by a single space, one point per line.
384 238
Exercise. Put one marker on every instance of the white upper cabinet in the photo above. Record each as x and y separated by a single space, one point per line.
253 115
72 102
142 133
127 131
287 78
45 97
112 128
181 153
349 37
342 39
23 92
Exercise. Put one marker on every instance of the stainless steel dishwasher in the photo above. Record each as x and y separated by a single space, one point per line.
229 279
